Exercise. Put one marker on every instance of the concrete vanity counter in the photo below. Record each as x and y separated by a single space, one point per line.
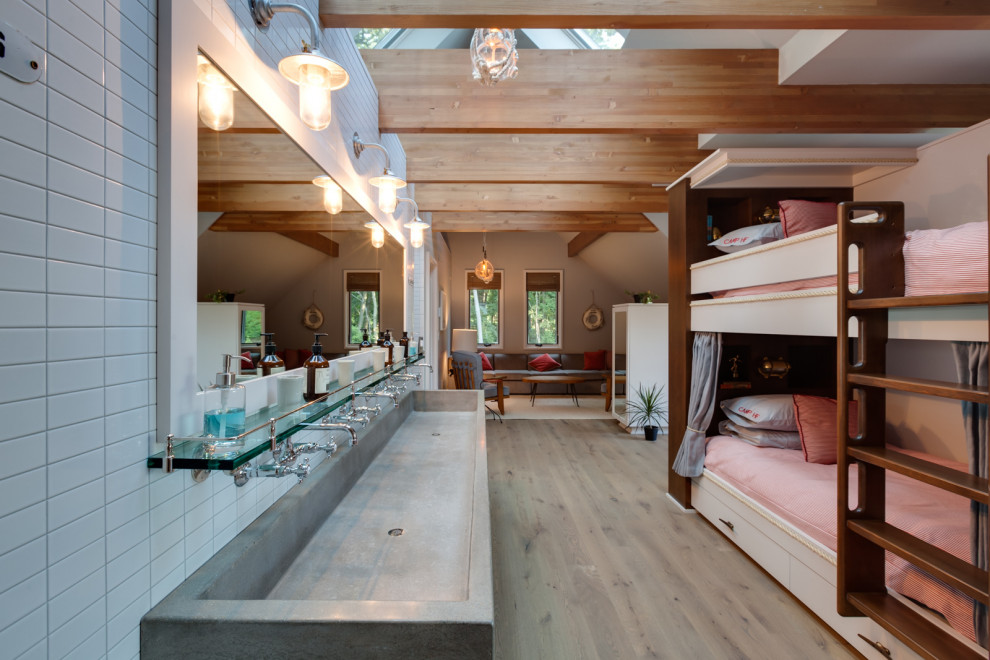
319 574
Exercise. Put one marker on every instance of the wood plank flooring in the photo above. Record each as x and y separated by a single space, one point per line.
592 560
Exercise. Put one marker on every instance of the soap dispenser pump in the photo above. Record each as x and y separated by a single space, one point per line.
317 371
271 363
227 420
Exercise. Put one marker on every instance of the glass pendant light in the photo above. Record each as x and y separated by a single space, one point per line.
493 55
484 271
416 226
333 195
216 96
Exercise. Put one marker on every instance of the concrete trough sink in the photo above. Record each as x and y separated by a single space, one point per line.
320 575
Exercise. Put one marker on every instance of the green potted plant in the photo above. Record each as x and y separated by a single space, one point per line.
646 408
220 295
643 296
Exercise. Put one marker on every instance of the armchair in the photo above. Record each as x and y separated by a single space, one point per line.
468 376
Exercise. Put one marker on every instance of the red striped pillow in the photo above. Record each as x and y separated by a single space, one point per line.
816 422
942 261
798 216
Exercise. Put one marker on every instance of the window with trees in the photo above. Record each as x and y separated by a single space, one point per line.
484 308
543 299
363 298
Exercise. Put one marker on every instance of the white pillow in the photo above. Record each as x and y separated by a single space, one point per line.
748 237
761 437
768 411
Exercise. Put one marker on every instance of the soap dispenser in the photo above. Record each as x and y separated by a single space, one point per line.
317 371
388 345
404 343
271 363
365 343
227 420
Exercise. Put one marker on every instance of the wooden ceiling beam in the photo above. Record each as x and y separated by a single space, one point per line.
242 156
307 221
581 241
649 92
223 196
708 14
453 221
528 158
314 240
578 198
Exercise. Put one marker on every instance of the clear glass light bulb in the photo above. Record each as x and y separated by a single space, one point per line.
386 195
377 236
416 237
216 101
333 198
314 96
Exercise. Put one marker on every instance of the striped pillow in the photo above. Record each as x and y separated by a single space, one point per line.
816 422
798 216
942 261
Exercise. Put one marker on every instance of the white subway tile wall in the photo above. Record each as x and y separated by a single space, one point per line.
92 538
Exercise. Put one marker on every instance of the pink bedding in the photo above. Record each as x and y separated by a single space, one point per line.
803 494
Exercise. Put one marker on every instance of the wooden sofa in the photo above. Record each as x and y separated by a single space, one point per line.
513 367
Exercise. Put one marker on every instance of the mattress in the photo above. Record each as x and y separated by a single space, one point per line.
803 494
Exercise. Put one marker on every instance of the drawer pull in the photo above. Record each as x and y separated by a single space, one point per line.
877 645
727 524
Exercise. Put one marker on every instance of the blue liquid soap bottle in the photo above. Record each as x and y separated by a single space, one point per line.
226 420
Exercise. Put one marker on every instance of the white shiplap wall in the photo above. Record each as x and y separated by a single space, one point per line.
91 538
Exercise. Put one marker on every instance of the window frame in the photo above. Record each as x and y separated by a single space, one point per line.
501 308
347 305
560 310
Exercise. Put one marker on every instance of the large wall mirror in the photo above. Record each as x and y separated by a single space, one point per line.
266 239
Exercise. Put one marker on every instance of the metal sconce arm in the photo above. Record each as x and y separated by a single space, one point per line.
264 10
360 145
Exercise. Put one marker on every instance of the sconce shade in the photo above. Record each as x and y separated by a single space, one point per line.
316 76
387 185
493 55
377 234
417 229
216 96
333 195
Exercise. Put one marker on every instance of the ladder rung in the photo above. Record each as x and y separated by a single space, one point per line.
919 301
940 476
920 634
955 572
940 388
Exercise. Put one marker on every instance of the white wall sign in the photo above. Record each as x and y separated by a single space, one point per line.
19 58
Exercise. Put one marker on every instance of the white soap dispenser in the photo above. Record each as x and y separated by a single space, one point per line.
226 420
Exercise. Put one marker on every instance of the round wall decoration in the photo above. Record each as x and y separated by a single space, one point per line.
593 318
313 317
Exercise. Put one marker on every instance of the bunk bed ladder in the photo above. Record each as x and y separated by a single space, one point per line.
863 533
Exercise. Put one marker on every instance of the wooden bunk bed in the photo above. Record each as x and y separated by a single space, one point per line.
812 571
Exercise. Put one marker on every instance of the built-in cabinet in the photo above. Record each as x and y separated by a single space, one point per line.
226 328
639 331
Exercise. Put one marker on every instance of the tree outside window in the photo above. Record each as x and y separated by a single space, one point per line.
543 290
363 305
484 307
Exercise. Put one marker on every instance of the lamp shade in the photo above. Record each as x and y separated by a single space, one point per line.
465 340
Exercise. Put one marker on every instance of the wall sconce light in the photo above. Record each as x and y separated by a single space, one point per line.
316 74
773 368
216 96
333 196
387 183
377 233
416 226
484 271
493 55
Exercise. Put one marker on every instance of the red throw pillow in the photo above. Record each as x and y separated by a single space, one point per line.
486 364
816 417
247 363
544 363
595 361
798 216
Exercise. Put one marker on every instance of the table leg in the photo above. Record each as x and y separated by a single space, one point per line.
532 394
574 394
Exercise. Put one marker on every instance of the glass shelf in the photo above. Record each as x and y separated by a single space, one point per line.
210 453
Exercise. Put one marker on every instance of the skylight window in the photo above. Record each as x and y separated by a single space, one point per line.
605 39
371 37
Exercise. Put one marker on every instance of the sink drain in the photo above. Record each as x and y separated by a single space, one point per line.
435 435
396 532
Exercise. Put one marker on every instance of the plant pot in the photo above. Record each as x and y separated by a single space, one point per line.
651 432
229 297
637 298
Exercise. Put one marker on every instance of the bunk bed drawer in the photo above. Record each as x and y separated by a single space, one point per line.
733 520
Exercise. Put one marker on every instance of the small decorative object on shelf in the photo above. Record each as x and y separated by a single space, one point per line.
769 215
773 368
221 295
643 297
647 409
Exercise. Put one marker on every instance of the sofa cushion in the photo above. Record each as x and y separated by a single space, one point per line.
544 363
595 360
571 361
509 361
486 364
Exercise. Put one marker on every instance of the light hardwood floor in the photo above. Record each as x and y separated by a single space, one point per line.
592 560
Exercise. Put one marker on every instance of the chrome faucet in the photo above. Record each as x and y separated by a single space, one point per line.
245 472
388 395
326 425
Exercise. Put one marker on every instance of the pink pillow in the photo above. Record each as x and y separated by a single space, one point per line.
798 216
486 364
544 363
595 360
942 261
766 411
816 420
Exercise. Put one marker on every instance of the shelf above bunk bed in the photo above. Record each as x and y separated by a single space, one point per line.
793 167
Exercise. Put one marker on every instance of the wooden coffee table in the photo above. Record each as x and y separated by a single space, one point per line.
570 381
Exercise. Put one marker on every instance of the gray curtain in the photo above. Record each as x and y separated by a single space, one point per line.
706 355
971 367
